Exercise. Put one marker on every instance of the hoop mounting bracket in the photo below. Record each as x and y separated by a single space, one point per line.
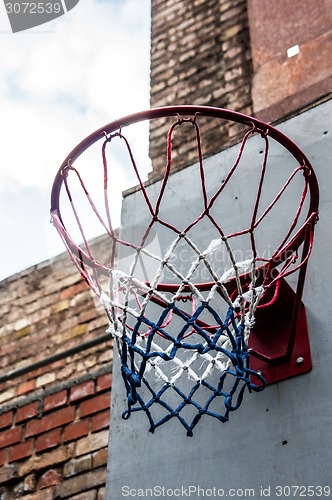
279 342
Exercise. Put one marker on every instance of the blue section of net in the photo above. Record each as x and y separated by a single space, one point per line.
222 393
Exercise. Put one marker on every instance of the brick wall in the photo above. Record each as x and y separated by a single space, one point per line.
233 54
283 84
45 310
53 419
54 445
200 54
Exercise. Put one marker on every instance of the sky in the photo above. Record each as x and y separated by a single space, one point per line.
59 82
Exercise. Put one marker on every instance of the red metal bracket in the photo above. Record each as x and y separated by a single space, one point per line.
279 341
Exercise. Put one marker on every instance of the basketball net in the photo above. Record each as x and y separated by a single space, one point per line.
183 343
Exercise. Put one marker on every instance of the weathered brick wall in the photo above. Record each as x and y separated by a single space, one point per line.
233 54
54 444
282 84
53 419
200 54
45 310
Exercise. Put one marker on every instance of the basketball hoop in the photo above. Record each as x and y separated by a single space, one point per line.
192 335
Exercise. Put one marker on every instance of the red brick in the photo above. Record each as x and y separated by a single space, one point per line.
71 291
42 462
7 348
51 421
95 405
82 390
50 478
99 458
26 387
29 483
81 483
100 421
76 430
3 457
87 315
101 494
86 495
104 382
77 465
6 419
55 400
26 412
48 440
20 451
10 436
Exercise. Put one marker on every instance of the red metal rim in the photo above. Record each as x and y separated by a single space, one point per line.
186 111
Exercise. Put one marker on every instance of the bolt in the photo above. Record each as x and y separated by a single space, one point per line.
300 360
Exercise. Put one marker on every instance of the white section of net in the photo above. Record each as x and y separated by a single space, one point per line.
129 299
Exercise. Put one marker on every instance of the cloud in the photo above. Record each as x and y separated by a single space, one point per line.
58 86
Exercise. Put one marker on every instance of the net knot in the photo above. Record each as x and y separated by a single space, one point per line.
109 137
263 133
66 168
185 298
